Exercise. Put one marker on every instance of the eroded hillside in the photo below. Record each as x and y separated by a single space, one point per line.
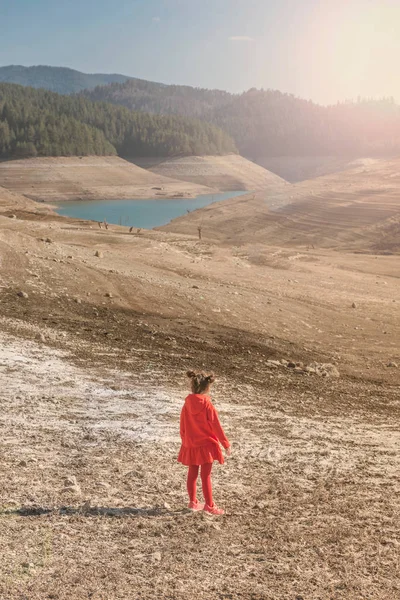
358 209
89 178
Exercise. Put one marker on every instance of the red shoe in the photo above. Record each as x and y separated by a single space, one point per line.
213 510
196 506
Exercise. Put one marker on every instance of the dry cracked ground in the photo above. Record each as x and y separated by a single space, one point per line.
92 500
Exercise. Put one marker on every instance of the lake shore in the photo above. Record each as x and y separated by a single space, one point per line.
143 213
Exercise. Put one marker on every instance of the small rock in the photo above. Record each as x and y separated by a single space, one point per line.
354 305
291 365
23 463
274 363
270 364
48 240
12 216
195 287
78 301
299 370
156 556
73 489
98 254
325 369
70 480
40 337
392 364
22 294
108 295
167 506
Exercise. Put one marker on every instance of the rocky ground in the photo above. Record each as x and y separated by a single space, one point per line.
97 329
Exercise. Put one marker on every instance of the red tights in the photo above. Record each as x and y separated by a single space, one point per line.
205 475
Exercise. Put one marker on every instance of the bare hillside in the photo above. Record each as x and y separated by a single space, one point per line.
225 173
9 200
358 209
300 168
12 203
93 178
97 329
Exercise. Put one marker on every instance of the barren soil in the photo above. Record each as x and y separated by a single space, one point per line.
225 173
300 168
92 362
89 178
357 210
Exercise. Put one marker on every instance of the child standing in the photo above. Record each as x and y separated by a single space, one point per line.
201 435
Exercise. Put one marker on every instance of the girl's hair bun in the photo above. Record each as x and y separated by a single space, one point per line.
200 381
211 378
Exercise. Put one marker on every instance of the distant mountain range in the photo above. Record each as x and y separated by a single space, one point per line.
261 122
56 79
268 122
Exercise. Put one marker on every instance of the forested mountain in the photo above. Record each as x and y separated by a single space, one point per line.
268 122
38 122
56 79
262 122
158 98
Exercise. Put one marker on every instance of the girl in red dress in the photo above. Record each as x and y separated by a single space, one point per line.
201 435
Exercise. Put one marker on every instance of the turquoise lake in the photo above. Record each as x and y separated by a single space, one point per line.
138 213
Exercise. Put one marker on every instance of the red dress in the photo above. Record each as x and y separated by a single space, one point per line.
201 432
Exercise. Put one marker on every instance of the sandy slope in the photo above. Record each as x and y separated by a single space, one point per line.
300 168
358 209
223 172
73 178
10 201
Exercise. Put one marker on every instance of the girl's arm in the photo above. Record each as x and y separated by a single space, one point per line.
182 426
212 417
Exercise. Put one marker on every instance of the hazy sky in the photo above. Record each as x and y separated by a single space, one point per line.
326 50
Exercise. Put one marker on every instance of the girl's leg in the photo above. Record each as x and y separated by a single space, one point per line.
206 483
193 473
